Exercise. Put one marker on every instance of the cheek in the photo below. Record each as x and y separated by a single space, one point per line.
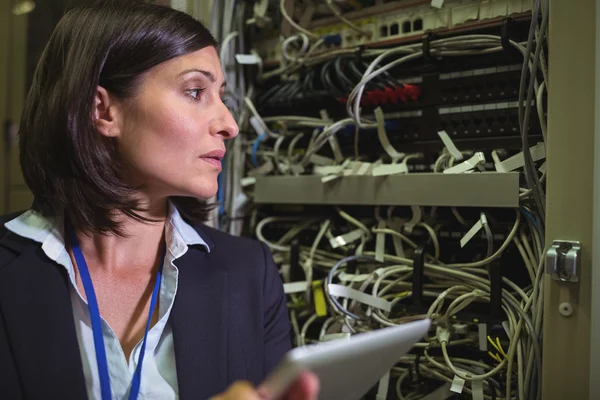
169 135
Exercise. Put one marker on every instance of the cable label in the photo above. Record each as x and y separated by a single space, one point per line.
471 233
477 389
467 166
353 294
390 169
517 161
450 146
383 139
247 59
295 287
457 384
346 238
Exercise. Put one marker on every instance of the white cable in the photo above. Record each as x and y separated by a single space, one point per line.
292 23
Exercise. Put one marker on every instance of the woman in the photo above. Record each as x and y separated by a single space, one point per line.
109 287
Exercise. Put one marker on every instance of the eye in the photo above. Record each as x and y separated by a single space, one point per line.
195 93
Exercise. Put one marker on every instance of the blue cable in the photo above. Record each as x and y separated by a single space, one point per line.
221 191
532 219
259 139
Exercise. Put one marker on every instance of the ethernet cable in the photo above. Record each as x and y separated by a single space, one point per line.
435 272
293 23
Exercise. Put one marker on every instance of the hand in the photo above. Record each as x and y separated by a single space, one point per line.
306 387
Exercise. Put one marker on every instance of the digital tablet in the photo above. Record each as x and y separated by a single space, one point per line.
347 369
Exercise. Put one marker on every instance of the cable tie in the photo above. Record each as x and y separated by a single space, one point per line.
353 294
450 146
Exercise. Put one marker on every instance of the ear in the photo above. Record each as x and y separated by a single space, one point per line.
105 113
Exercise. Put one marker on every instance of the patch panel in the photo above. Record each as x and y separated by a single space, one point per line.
397 20
485 84
468 86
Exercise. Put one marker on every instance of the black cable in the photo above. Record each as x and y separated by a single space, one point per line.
373 83
326 80
280 95
307 84
295 88
354 69
417 368
344 80
266 96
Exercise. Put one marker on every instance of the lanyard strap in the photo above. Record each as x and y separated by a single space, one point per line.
97 321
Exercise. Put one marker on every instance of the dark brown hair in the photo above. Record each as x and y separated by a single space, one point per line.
66 163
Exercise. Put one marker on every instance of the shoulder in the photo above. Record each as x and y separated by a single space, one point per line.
240 254
10 244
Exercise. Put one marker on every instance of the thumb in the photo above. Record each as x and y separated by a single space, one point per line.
306 387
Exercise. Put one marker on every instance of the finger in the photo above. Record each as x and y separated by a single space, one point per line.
306 387
239 391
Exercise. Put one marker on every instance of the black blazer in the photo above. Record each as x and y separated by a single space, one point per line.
229 319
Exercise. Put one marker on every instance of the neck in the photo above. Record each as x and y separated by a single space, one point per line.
136 251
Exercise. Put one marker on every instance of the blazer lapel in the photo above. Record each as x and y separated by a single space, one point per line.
35 303
198 320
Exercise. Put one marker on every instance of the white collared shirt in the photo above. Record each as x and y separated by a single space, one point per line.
159 375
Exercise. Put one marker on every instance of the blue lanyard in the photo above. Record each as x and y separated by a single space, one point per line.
97 322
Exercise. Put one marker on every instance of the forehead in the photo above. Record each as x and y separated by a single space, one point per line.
205 59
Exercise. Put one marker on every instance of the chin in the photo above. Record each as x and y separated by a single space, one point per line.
204 191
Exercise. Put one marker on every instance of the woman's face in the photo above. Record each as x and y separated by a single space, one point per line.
173 131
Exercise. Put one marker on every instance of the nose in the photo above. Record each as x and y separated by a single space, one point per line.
224 125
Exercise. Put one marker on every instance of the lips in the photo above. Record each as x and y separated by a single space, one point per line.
214 157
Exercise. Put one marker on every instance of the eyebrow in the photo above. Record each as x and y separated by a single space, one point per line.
211 77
